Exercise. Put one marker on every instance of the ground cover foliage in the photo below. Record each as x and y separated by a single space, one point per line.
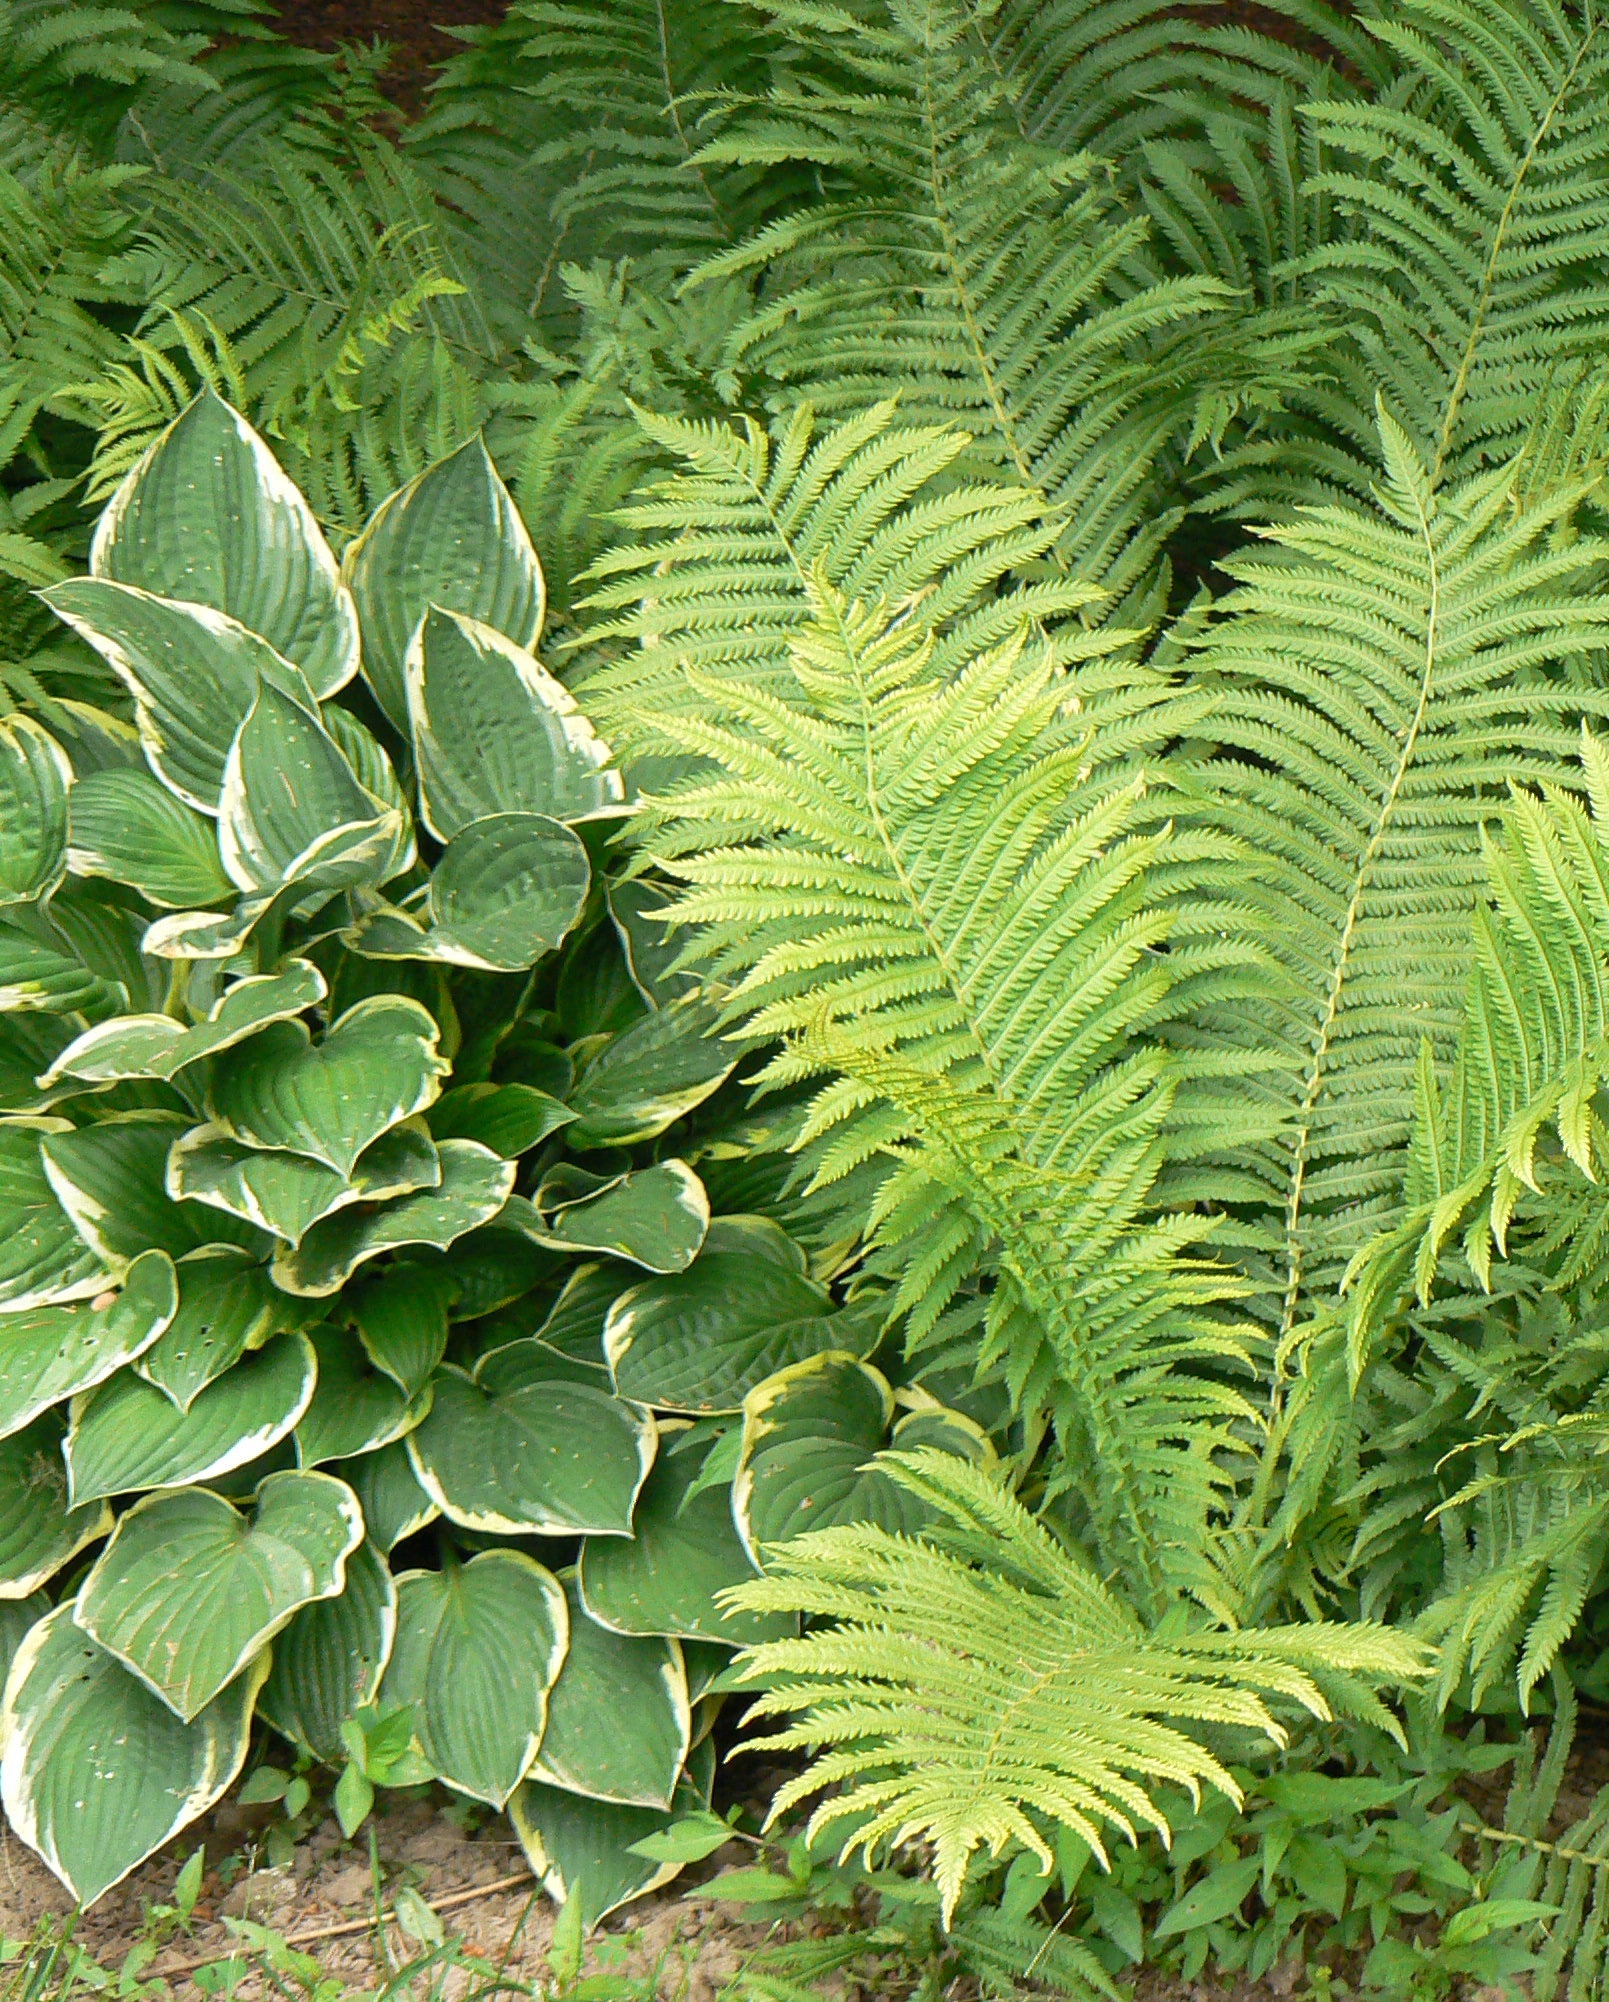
806 733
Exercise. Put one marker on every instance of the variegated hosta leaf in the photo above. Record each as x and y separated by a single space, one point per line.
286 1194
226 1306
34 778
508 1118
207 515
189 1589
401 1319
126 826
517 1447
95 1771
656 1217
683 1550
376 1065
650 1075
452 537
42 1257
619 1722
394 1504
48 1354
127 1435
193 673
507 890
38 1532
477 1652
356 1408
110 1177
329 1660
157 1046
493 732
582 1849
291 809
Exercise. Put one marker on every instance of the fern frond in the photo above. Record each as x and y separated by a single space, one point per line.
1378 680
58 225
982 1680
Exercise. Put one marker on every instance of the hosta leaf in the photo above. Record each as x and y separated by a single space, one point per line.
656 1217
206 935
34 777
286 1194
507 890
809 1440
17 1618
515 1448
329 1660
377 1064
111 1178
193 673
42 1257
394 1504
700 1340
190 1589
127 1435
226 1306
29 1045
126 826
157 1046
478 1648
48 1354
650 1075
493 732
581 1849
96 1772
38 1532
355 1409
291 808
94 739
508 1118
650 946
452 537
402 1321
474 1186
40 973
575 1322
208 515
684 1549
619 1722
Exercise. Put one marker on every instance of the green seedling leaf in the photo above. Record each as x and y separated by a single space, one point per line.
688 1841
1219 1893
189 1589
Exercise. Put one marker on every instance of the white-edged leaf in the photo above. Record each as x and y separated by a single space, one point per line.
43 1259
190 1588
329 1660
580 1849
394 1504
34 777
356 1408
286 1194
39 1533
507 889
619 1723
129 828
110 1177
48 1354
648 1076
157 1046
226 1306
401 1317
656 1217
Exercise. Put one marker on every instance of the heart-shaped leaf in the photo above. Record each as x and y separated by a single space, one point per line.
157 1046
684 1549
575 1322
38 1532
127 1435
193 673
291 808
700 1340
189 1589
111 1180
515 1449
650 1075
619 1722
394 1504
507 890
329 1660
42 1257
809 1440
402 1321
376 1066
96 1773
451 537
286 1194
474 1186
581 1849
126 826
226 1306
493 732
207 515
34 777
477 1651
508 1118
355 1408
48 1354
656 1217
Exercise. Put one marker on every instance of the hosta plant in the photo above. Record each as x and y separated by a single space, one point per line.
368 1350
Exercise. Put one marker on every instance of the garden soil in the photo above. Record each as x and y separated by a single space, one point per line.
414 29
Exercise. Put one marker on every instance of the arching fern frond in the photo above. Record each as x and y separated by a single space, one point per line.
981 1681
1378 680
